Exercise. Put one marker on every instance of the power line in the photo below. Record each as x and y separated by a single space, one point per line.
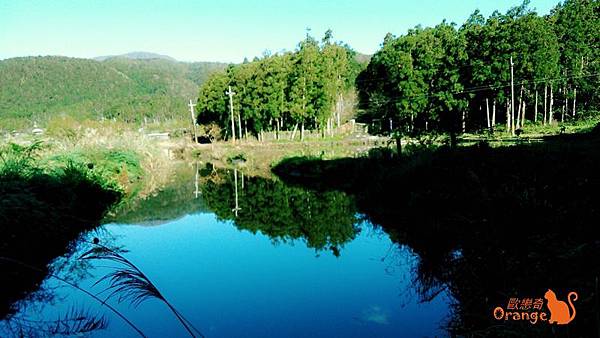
479 89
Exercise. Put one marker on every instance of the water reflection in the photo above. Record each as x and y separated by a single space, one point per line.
481 234
325 220
232 281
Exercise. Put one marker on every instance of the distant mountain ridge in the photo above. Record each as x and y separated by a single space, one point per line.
136 56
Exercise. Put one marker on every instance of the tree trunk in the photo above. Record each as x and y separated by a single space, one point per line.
339 112
523 114
545 104
564 111
536 107
302 132
519 117
487 111
493 115
464 121
399 146
574 102
550 112
566 103
508 124
239 127
294 132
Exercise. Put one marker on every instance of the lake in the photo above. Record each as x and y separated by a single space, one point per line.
246 256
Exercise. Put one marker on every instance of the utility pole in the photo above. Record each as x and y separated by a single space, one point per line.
512 95
192 105
230 93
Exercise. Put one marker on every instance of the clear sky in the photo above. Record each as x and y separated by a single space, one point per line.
216 30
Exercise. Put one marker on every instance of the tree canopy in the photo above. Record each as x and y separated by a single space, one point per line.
441 77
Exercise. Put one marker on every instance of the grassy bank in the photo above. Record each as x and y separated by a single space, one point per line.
257 158
60 184
120 151
42 210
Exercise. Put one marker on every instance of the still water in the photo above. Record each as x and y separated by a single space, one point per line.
308 271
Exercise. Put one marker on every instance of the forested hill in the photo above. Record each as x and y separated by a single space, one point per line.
119 87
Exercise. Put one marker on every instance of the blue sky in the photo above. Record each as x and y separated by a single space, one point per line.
216 30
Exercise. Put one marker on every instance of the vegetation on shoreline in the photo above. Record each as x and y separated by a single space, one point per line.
257 158
58 186
42 210
141 165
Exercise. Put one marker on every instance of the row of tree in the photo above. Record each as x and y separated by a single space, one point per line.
449 78
285 91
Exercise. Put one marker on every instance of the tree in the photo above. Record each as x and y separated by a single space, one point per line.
284 91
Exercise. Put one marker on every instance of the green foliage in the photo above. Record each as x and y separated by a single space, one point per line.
18 161
114 168
576 24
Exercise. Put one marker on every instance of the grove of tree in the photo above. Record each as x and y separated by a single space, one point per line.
456 79
284 91
445 78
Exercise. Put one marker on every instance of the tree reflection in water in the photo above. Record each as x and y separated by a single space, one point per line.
324 220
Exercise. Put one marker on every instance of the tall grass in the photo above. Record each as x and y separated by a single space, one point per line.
120 150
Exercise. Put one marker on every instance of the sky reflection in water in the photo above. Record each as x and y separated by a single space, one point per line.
233 283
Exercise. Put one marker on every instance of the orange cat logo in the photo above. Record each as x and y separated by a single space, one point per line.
559 310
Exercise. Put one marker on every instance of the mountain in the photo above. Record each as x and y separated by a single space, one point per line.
137 56
363 58
121 87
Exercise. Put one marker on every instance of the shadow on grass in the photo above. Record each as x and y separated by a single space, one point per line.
489 224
